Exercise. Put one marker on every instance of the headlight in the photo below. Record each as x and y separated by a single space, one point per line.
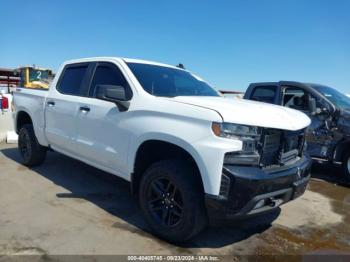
229 130
250 137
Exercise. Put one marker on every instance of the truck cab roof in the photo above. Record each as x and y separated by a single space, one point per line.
115 58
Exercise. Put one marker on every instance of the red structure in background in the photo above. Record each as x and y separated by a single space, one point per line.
8 79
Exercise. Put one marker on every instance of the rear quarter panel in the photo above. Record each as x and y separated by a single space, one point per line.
32 101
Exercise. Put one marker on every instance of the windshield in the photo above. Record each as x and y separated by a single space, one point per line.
337 98
170 82
38 75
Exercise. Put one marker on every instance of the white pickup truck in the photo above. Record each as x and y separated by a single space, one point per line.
188 153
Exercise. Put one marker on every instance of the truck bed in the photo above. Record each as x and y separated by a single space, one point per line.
32 101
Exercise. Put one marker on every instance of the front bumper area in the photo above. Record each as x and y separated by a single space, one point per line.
253 190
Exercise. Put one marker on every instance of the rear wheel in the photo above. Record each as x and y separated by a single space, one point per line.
171 200
31 151
346 166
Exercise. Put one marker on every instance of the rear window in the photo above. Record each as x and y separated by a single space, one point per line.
265 94
71 82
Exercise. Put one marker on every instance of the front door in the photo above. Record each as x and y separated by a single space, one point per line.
318 136
102 136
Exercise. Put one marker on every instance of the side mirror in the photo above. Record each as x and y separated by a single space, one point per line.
115 94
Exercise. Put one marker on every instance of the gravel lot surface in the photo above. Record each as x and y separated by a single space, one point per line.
65 207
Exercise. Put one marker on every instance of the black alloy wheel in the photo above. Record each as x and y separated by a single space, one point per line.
171 198
165 202
29 148
24 145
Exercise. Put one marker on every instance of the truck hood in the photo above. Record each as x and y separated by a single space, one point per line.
241 111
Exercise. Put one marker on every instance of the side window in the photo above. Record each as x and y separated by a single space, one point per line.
265 94
296 98
72 79
108 74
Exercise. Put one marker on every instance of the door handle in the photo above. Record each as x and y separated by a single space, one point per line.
51 103
84 109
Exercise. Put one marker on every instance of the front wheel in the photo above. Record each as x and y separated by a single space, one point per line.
346 166
171 200
31 151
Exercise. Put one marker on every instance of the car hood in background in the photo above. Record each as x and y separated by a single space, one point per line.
345 113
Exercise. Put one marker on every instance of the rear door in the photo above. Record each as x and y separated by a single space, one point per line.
62 107
103 138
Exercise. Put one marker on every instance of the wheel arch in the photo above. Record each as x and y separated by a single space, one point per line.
340 150
153 150
22 118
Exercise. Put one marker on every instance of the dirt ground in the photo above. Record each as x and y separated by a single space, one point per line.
65 207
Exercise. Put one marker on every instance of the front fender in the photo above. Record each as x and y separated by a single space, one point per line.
136 143
208 153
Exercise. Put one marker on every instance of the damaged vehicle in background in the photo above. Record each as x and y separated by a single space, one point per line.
188 153
328 137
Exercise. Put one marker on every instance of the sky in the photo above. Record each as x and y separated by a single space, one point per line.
228 43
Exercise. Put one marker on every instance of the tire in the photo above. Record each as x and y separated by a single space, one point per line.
174 184
31 151
346 166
